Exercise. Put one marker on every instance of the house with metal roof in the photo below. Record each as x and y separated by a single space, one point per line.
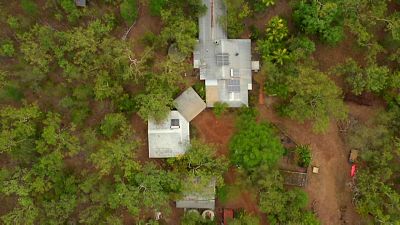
171 137
225 64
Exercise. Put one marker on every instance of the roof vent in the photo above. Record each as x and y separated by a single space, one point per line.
175 124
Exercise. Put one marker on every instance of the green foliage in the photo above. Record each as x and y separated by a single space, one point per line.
373 78
255 144
117 154
111 123
156 6
245 219
313 96
29 7
73 13
18 127
200 88
129 10
7 49
272 47
185 39
304 153
323 19
200 160
193 218
262 5
282 206
375 192
237 11
11 92
220 108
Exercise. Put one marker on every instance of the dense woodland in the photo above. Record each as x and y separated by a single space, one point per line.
70 82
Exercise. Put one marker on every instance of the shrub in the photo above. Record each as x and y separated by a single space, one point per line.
128 10
304 153
261 5
220 108
111 123
7 49
156 6
200 88
13 22
29 7
255 144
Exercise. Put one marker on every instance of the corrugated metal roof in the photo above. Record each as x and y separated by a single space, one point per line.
221 58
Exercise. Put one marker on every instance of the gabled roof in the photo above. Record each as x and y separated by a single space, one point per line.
189 104
169 138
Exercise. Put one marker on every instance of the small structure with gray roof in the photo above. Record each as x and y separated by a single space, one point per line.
225 64
202 198
80 3
189 104
169 138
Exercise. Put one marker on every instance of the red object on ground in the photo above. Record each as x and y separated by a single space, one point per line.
353 170
228 215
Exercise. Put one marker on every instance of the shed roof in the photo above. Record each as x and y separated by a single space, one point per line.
189 104
204 198
169 138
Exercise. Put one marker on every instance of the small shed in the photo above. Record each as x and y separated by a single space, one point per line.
80 3
202 197
189 104
169 138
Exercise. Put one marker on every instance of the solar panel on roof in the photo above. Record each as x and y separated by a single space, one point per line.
222 59
233 85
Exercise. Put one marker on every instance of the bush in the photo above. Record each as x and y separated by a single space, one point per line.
255 144
200 88
111 123
7 49
156 6
129 11
304 154
29 7
220 108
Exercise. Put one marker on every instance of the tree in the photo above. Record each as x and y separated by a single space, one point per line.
375 193
185 39
128 9
255 144
313 96
272 47
117 154
324 19
200 160
373 78
282 206
18 127
111 123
